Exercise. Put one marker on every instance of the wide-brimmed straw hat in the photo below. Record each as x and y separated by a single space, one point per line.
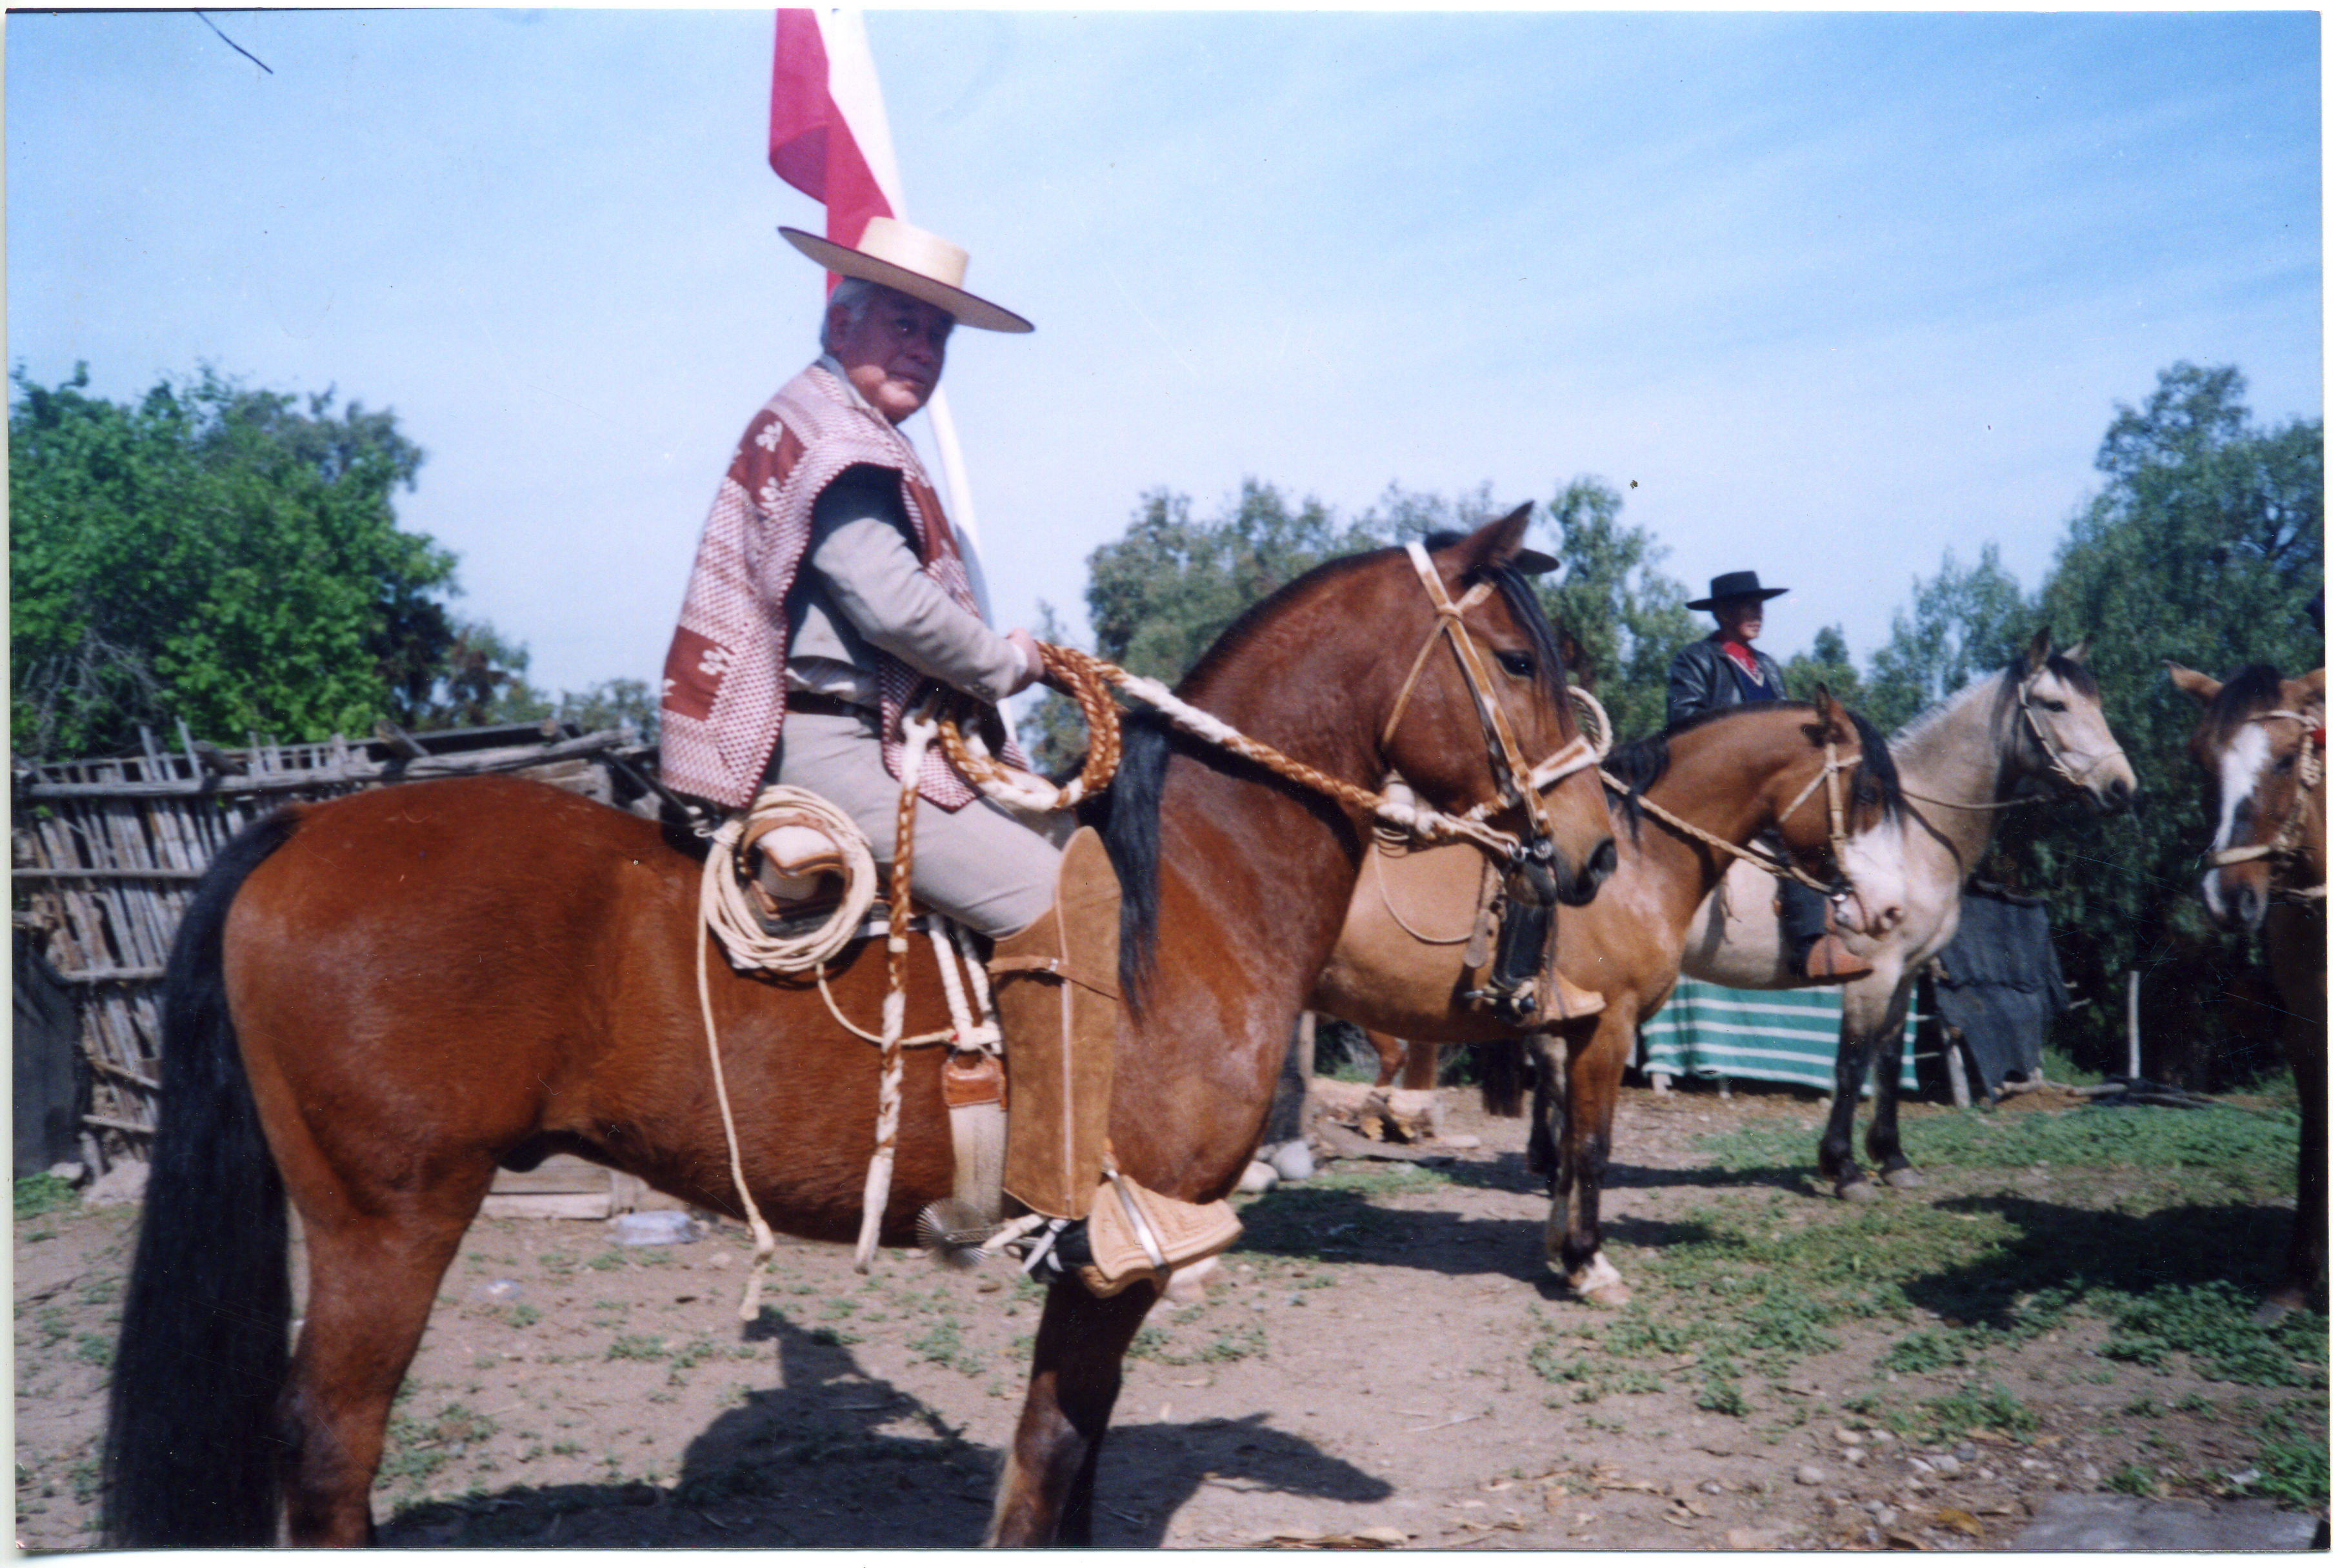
1733 586
912 261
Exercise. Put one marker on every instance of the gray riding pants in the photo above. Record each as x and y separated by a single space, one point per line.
978 864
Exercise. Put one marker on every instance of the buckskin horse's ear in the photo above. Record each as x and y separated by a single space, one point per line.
2078 652
2035 658
1495 543
2194 682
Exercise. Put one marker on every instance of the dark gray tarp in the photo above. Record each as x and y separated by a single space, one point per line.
1999 983
52 1083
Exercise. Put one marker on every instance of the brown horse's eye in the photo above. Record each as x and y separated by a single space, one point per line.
1520 664
2282 764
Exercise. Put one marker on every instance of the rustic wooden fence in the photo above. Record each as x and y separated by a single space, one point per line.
106 853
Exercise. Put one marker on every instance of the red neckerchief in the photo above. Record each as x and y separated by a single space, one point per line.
1743 656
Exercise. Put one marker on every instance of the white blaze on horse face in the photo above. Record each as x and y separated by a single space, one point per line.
1873 863
2240 766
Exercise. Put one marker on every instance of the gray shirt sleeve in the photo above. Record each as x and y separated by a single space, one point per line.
861 550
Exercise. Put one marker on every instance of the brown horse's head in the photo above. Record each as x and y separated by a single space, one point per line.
1472 723
2261 741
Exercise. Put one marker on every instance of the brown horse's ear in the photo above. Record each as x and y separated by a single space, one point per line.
1494 544
2311 685
2078 652
2035 658
2194 682
1835 724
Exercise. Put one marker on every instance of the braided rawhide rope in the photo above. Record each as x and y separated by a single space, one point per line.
1088 680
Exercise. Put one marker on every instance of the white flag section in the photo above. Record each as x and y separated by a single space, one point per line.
853 88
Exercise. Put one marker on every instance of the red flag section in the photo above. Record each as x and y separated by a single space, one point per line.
812 142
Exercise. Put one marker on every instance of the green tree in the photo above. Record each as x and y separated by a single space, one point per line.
1160 594
2204 546
1626 615
1829 664
1966 621
219 554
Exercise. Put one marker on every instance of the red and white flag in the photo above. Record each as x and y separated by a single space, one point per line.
829 124
830 140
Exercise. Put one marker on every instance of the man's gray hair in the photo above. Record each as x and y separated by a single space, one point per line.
856 295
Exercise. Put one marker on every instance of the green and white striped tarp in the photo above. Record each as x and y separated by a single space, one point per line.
1781 1036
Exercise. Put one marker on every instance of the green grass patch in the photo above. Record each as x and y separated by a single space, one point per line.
41 1194
2295 1463
2211 1326
2261 1145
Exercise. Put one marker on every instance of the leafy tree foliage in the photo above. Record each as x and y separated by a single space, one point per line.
1160 594
1626 615
2204 546
216 554
1966 621
1828 663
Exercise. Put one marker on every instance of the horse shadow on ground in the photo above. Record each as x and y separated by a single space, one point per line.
2065 1251
1336 1226
836 1456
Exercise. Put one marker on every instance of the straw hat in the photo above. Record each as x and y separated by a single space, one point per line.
912 261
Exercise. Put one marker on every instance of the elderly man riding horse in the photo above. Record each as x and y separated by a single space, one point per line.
828 595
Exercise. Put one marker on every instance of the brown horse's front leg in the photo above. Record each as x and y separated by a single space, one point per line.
2296 950
1596 1050
1048 1484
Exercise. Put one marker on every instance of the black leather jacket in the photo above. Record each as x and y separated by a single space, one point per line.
1700 679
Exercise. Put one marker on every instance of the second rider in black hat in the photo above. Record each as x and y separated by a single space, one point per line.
1723 671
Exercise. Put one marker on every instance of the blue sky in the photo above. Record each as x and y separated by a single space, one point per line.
1833 293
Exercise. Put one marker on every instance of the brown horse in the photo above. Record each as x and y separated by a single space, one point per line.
1733 773
2261 738
376 1002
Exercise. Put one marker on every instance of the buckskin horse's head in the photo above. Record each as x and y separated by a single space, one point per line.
2062 737
2261 742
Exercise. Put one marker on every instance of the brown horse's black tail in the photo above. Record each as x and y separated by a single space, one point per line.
191 1438
1502 1067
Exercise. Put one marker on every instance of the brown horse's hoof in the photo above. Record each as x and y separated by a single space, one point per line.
1906 1175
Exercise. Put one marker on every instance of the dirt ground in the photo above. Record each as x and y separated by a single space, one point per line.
1373 1366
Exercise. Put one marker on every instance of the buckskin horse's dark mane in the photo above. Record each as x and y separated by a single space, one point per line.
1130 817
1639 764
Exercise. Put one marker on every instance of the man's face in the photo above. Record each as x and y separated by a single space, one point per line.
894 354
1741 619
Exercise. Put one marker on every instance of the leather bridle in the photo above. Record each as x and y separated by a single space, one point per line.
2307 772
1517 783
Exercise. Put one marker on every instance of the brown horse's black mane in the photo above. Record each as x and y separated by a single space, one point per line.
2252 689
1129 819
1639 764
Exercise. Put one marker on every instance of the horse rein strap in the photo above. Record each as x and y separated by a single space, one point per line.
1772 865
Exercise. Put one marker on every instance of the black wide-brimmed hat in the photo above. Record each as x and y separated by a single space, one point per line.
1734 586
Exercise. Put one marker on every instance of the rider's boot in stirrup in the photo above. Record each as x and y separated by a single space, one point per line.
1057 986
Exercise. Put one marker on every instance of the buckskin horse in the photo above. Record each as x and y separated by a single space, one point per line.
2261 740
1689 797
376 1001
2035 726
